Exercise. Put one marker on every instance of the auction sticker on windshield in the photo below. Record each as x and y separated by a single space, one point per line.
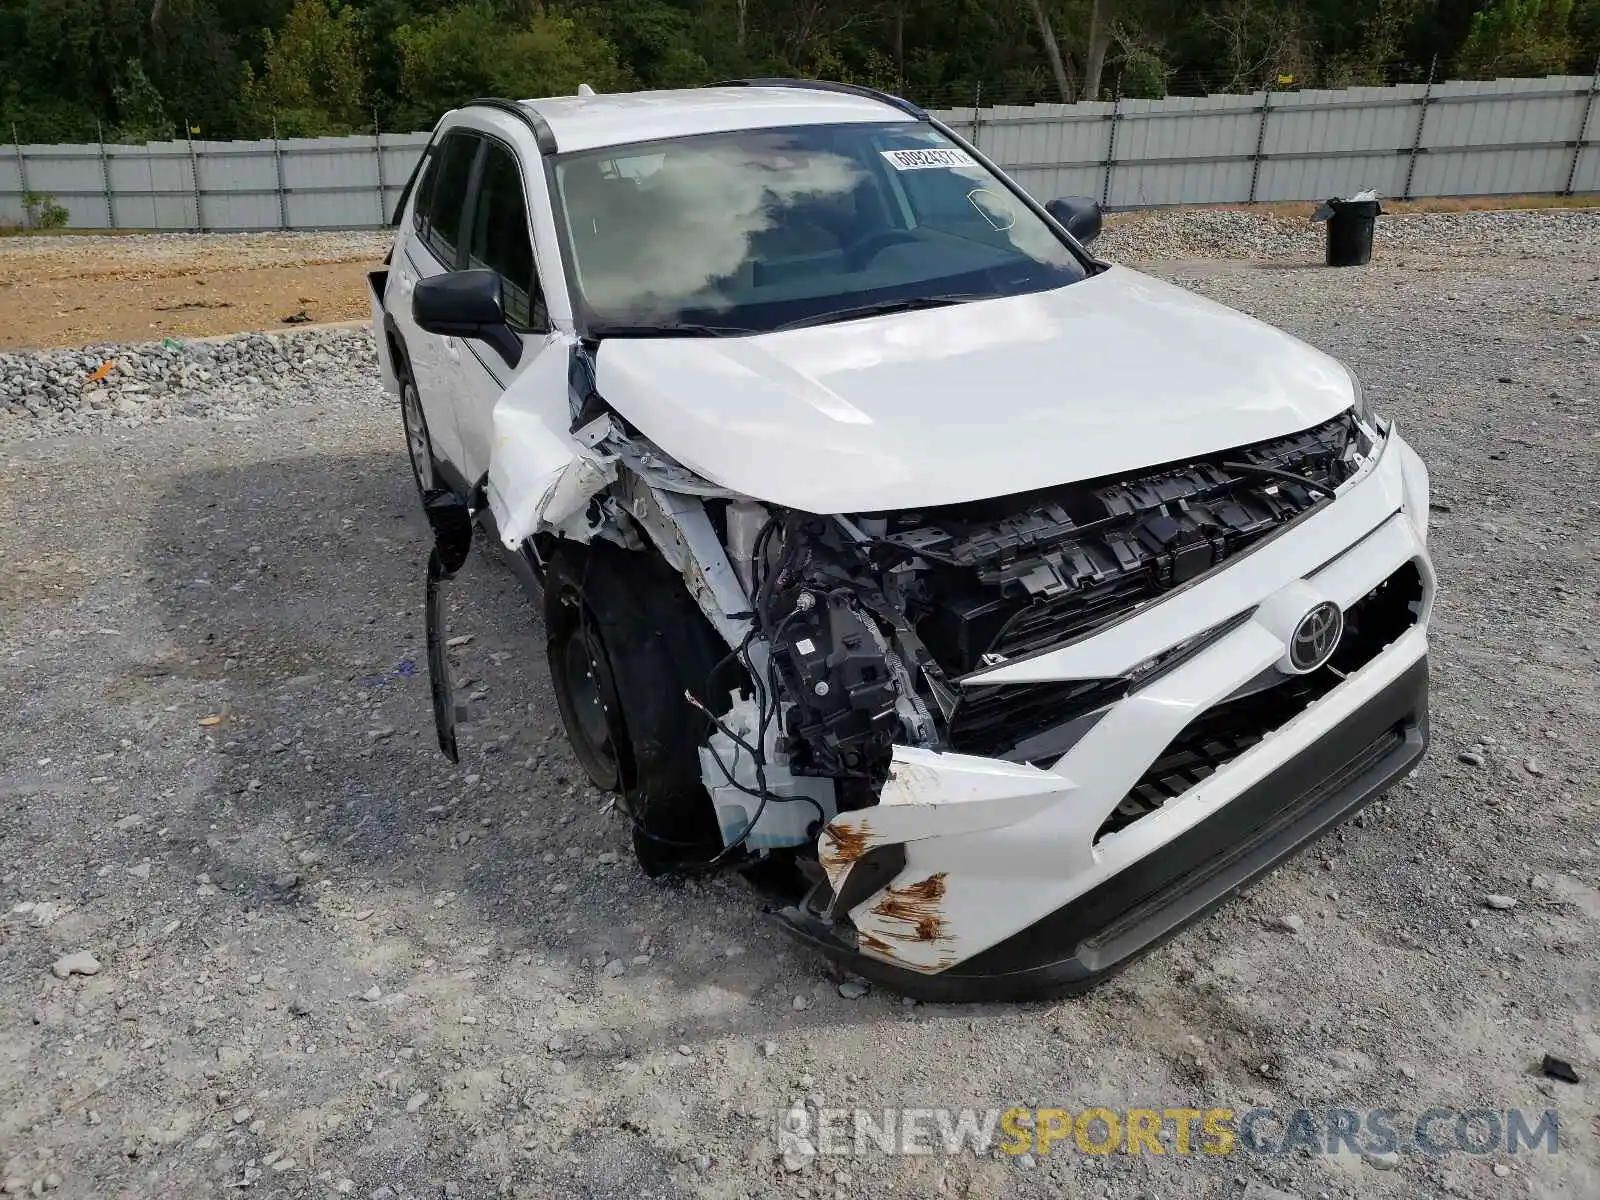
920 160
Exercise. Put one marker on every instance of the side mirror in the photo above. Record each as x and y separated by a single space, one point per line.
467 304
1079 215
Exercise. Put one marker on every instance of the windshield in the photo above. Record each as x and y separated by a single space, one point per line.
763 229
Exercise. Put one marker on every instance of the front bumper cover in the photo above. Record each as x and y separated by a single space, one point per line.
1069 950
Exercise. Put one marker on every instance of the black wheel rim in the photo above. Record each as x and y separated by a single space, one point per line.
591 693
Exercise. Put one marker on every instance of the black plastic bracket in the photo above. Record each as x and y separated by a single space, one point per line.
444 701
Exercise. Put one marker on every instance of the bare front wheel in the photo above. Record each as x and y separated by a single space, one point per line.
626 641
585 690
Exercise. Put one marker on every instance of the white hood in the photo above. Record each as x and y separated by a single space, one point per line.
940 406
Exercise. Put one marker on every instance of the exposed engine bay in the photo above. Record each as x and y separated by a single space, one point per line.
924 728
854 634
932 599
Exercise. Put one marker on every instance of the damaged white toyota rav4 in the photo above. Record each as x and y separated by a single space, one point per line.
1005 606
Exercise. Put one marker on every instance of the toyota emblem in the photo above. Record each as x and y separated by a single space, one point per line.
1316 637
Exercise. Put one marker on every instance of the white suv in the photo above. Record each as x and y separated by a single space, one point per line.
1005 606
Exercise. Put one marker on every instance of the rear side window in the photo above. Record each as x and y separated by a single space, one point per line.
444 197
501 240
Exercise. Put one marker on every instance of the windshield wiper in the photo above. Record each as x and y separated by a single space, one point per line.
882 308
666 329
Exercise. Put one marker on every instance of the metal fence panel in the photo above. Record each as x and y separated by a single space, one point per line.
329 181
71 174
1586 174
1046 183
1177 149
240 184
1491 137
399 158
152 186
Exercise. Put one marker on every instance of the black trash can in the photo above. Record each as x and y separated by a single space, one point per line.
1350 230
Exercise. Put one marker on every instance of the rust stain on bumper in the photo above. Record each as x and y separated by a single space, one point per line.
846 843
915 908
871 941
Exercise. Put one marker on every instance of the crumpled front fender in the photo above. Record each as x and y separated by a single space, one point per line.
541 475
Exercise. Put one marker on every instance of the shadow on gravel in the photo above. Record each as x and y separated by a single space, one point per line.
298 584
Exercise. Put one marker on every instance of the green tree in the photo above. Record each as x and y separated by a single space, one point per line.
188 54
1519 37
141 113
312 80
657 37
470 50
142 68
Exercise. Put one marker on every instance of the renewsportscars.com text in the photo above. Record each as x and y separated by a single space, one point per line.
855 1132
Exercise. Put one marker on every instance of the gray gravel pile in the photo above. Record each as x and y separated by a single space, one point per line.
58 390
1219 233
1202 233
1534 233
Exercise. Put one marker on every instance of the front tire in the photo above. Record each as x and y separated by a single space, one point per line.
419 442
625 641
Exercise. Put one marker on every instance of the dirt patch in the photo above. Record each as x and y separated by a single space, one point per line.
74 291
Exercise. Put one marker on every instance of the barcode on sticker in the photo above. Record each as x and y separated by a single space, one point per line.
921 160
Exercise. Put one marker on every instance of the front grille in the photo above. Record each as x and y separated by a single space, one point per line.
1039 722
1159 533
1385 746
1214 739
1227 730
1373 622
1049 622
992 720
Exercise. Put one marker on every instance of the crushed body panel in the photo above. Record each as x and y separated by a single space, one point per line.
1012 841
541 476
377 287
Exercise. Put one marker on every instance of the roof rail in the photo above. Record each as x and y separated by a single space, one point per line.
542 136
823 85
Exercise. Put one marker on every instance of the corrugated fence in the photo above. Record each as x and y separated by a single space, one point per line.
299 183
1496 137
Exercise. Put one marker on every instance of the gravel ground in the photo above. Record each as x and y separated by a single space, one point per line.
128 386
326 962
1222 233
